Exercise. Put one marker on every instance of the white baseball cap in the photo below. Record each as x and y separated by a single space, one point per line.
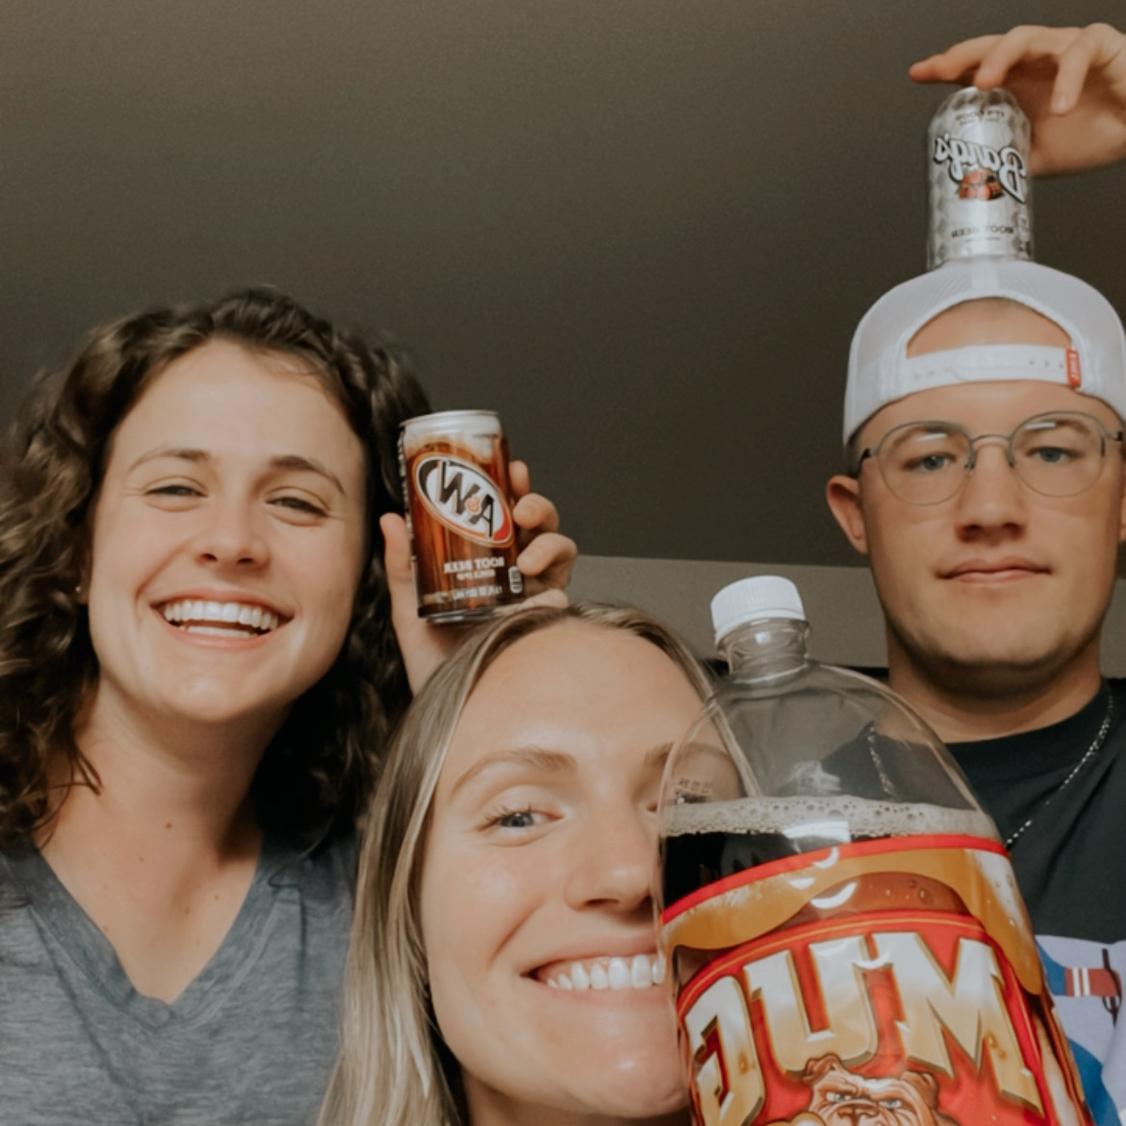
880 372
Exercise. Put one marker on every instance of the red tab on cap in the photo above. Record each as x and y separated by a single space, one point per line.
1074 371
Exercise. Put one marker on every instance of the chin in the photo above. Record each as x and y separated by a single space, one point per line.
215 705
600 1085
646 1085
655 1103
999 670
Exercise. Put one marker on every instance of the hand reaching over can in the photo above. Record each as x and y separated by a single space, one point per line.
1070 81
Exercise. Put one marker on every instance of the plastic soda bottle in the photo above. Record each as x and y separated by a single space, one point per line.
843 927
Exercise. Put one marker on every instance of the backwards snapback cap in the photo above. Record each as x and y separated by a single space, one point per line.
880 372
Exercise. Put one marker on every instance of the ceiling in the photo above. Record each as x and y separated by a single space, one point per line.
643 231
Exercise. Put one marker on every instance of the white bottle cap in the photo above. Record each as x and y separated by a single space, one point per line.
754 600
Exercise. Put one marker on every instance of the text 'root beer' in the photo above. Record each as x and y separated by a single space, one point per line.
843 926
455 483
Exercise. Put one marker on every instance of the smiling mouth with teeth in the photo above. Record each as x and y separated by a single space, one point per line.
638 972
220 619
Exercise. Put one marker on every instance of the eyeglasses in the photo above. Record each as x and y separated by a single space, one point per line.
1058 455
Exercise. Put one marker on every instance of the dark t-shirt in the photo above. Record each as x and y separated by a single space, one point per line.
1070 863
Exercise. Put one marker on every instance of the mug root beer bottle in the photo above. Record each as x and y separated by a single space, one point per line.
844 931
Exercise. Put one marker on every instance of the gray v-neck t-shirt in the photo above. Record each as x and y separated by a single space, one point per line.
249 1041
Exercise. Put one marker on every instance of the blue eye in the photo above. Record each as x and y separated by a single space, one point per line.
931 463
526 818
1053 455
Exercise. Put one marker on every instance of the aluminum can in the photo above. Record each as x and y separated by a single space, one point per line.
977 165
454 467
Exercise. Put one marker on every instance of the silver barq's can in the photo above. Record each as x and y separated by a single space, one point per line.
977 161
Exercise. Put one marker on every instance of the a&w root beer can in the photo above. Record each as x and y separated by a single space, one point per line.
455 485
978 145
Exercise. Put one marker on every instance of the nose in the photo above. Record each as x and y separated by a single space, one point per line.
229 536
614 863
992 500
857 1111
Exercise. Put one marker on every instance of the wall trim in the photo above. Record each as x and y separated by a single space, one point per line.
841 603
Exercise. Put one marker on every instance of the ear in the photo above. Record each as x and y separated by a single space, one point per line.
83 559
843 495
925 1084
81 589
1122 510
820 1067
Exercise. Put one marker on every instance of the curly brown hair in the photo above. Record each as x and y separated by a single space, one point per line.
321 766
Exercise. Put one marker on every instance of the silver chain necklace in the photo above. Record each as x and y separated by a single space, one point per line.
1096 746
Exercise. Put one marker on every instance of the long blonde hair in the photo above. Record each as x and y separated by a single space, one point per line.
393 1069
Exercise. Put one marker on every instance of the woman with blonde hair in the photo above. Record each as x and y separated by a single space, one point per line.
503 967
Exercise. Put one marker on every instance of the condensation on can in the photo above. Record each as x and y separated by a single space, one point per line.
454 467
977 166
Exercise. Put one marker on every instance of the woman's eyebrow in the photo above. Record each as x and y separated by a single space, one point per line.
307 465
535 758
183 453
297 462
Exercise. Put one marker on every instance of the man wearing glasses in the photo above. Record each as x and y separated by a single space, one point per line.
986 484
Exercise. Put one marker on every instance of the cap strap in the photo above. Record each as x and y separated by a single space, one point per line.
980 363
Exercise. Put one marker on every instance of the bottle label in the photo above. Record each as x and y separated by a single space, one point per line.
981 172
884 982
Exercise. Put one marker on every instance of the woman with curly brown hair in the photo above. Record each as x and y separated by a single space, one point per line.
203 643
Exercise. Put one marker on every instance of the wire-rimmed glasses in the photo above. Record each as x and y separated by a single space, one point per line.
1056 454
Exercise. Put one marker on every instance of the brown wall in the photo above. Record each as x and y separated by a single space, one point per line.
641 229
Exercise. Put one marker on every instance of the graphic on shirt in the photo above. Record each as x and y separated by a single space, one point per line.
1086 981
